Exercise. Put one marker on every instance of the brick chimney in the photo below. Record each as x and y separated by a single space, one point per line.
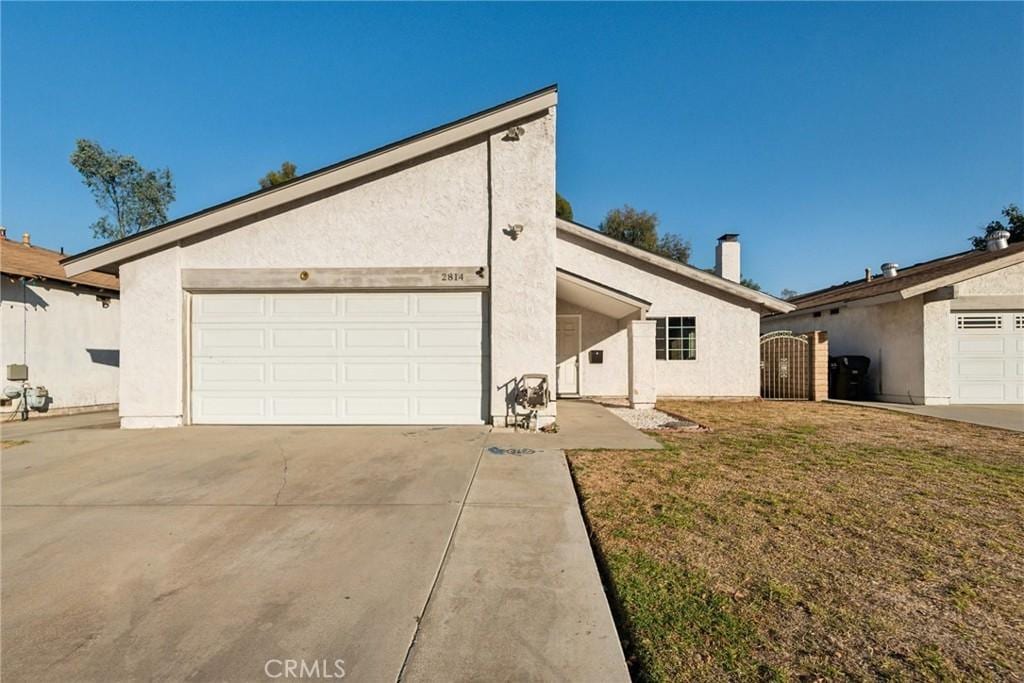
727 257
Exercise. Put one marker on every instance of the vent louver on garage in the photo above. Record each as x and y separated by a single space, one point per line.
979 322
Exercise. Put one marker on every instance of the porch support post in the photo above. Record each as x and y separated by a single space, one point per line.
643 390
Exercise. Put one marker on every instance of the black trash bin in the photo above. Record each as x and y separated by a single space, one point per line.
848 377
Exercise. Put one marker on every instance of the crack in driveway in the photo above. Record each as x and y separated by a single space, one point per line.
284 473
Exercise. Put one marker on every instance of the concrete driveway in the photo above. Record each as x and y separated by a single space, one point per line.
1002 415
204 553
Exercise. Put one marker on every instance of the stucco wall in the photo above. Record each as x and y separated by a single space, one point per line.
522 174
439 211
1007 281
151 341
727 329
936 341
599 332
891 335
429 214
69 341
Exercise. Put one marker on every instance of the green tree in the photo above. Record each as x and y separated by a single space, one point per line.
133 198
563 209
273 178
674 247
747 282
640 228
1014 225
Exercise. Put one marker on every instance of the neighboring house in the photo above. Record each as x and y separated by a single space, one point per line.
64 328
944 331
411 285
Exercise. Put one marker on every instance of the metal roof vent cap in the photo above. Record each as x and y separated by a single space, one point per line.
26 239
890 269
997 239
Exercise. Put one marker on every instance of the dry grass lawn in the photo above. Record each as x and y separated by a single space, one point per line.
814 541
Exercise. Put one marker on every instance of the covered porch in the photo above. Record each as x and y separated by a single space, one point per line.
604 344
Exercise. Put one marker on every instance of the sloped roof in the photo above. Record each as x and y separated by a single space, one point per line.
916 279
44 264
109 256
767 301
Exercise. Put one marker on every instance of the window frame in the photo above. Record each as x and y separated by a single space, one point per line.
681 329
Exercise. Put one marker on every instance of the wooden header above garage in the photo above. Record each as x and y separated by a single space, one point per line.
310 279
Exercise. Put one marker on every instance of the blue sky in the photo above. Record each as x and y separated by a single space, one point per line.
831 136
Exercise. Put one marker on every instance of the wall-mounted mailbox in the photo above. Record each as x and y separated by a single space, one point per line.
596 357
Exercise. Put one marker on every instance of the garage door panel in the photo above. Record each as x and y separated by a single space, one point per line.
987 363
228 307
982 392
982 368
213 374
230 408
381 306
313 408
988 345
377 338
305 373
385 372
230 339
306 307
412 358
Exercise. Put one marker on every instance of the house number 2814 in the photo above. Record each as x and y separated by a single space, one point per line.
452 277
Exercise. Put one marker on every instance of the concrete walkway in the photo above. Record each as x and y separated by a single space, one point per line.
519 597
1002 416
582 424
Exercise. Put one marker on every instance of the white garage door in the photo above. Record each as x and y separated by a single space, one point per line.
988 357
338 358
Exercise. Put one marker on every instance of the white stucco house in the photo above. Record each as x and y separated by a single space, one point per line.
946 331
65 329
410 285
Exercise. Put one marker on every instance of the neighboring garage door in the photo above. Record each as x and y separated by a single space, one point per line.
988 357
338 358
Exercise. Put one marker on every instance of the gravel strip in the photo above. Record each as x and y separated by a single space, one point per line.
651 419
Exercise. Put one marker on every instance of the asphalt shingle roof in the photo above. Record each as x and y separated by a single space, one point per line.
910 276
32 261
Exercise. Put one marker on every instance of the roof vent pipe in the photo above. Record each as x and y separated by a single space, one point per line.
997 239
3 233
867 275
890 269
25 239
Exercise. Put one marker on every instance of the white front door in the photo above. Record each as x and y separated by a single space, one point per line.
338 358
567 355
987 357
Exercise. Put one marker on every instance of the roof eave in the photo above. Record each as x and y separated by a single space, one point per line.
764 300
110 255
966 274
